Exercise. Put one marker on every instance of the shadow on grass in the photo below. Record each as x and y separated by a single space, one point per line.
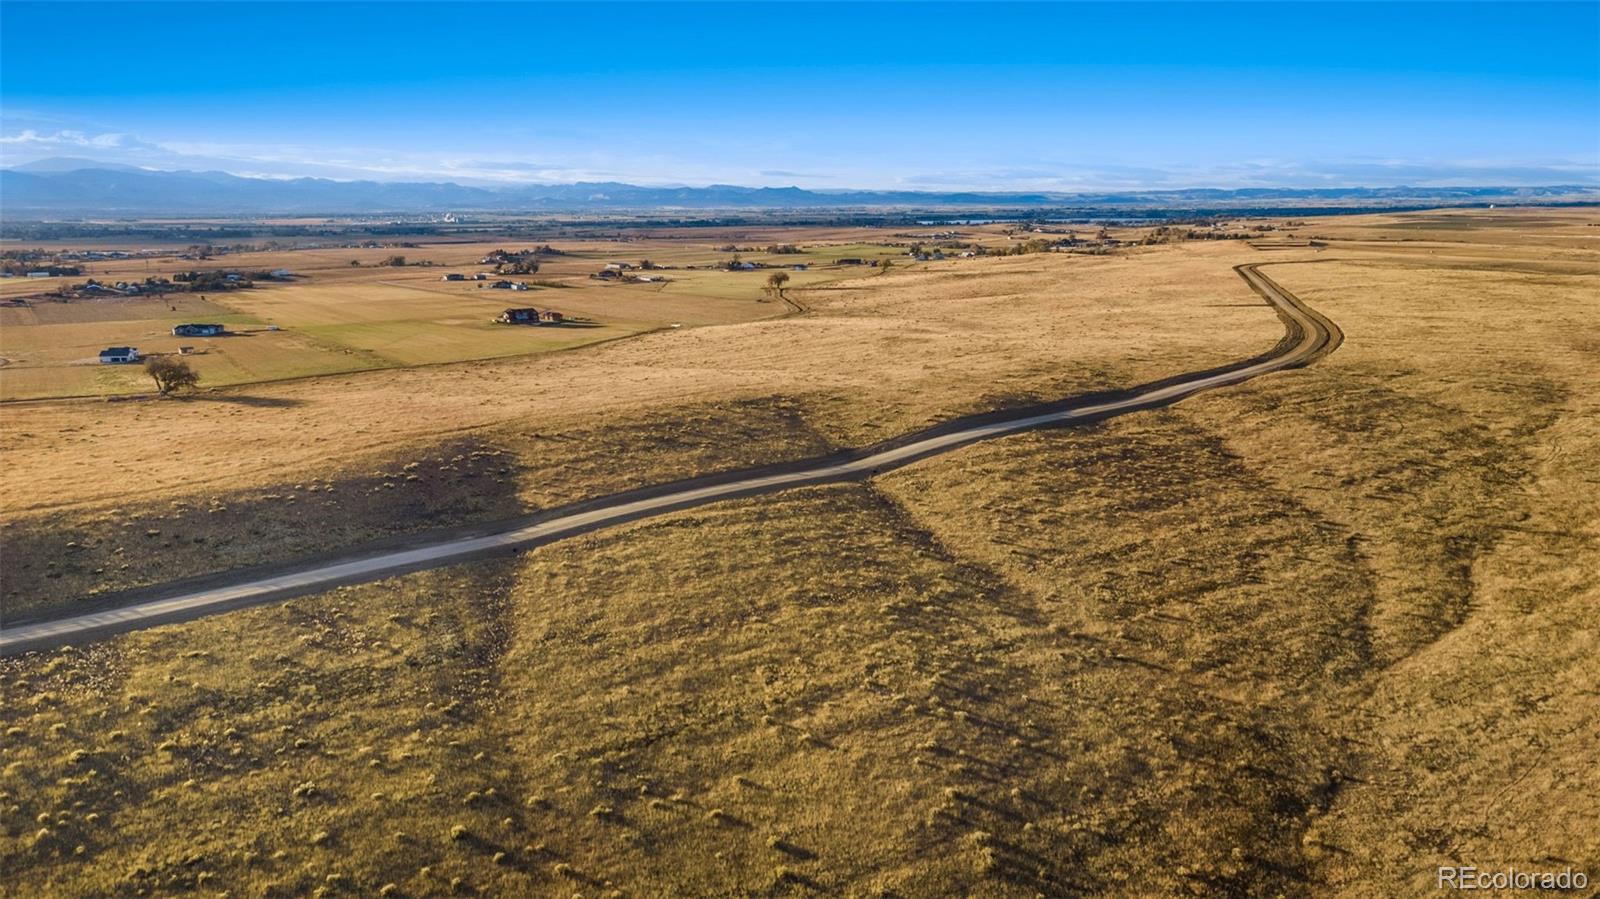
256 402
793 850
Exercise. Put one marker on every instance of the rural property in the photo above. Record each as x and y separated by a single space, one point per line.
447 479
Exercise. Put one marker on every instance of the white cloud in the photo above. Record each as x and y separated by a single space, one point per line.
1260 173
68 139
1001 174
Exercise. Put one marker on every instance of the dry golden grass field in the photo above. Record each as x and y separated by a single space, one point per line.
1315 634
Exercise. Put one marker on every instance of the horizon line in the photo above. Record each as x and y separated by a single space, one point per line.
496 185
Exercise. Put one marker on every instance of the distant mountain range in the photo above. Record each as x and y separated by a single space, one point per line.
75 187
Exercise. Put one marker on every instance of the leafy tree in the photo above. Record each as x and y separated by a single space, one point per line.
170 374
775 282
884 266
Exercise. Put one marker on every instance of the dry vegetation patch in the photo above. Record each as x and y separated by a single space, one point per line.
59 559
1315 634
314 745
876 357
226 479
1453 439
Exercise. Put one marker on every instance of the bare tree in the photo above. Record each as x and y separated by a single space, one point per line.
170 374
775 282
884 266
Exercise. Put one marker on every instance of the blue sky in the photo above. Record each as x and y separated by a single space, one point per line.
989 96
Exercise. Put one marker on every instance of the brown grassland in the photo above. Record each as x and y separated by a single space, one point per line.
1315 634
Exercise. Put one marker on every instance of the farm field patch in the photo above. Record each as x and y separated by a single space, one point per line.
347 310
52 348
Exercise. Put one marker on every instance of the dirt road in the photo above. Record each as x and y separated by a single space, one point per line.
1308 336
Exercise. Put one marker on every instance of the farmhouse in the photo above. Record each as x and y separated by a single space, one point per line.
454 276
851 260
119 355
519 317
551 317
192 330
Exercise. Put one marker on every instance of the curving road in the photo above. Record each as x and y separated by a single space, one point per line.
1308 336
